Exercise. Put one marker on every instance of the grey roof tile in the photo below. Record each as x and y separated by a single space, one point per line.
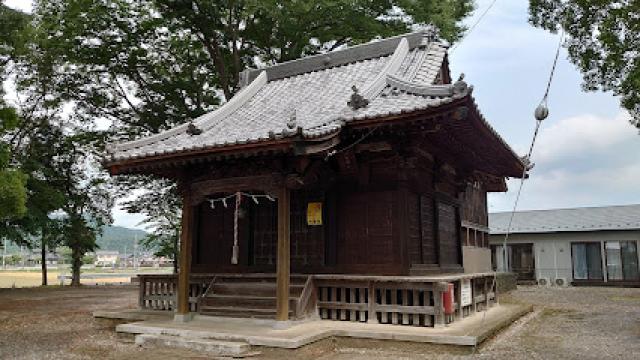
623 217
317 96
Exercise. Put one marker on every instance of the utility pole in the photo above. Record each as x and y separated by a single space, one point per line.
135 247
4 254
125 257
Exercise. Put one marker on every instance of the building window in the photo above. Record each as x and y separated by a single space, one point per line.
587 261
622 260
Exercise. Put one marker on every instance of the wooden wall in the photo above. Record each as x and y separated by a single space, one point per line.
474 204
382 214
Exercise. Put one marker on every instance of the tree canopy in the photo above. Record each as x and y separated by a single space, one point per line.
603 40
90 72
13 194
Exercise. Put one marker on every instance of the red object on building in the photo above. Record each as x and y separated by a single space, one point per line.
447 300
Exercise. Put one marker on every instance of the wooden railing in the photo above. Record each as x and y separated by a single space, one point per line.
158 292
411 300
416 301
306 303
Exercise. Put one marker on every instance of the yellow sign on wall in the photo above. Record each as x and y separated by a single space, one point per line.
314 213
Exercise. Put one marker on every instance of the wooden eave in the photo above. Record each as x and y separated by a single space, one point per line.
153 164
469 135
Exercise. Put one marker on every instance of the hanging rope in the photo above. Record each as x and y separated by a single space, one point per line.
473 26
236 216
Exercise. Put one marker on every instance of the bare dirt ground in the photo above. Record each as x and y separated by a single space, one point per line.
570 323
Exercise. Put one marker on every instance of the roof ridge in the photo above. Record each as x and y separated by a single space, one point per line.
377 84
369 50
569 208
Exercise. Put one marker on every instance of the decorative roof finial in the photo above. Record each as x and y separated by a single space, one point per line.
460 86
192 129
357 101
291 124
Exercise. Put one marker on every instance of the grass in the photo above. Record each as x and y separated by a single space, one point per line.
20 278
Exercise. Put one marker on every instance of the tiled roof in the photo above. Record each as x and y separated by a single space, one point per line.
308 97
625 217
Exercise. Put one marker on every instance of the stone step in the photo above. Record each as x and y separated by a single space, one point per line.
242 301
209 346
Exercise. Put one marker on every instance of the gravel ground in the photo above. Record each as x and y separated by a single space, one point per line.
569 323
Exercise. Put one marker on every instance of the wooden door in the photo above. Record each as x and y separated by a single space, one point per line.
365 231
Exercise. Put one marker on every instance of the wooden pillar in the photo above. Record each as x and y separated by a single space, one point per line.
283 264
458 296
371 306
184 271
438 306
401 221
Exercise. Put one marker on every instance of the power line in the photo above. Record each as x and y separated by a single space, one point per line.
473 26
541 113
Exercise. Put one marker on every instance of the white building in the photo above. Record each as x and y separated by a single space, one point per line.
106 258
594 245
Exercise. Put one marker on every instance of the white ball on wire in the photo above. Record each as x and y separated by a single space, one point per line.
541 112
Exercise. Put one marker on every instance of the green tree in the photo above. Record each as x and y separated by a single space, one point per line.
13 194
240 34
162 209
603 38
60 152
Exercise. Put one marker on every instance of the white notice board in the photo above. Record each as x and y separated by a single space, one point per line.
466 292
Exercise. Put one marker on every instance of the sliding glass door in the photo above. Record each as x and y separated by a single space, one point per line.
622 260
587 261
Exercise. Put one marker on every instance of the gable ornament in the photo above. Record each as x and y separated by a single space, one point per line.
357 101
192 129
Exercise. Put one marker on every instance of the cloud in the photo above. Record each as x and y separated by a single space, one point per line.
123 218
583 160
24 5
583 135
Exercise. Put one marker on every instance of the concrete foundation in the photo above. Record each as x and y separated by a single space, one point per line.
211 347
470 331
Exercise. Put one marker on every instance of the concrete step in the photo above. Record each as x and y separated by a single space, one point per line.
253 289
209 346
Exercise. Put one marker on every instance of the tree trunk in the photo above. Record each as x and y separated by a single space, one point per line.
76 263
44 264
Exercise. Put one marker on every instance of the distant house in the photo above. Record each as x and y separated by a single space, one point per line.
35 258
106 258
582 246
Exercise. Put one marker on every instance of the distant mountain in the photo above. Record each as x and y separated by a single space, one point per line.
113 238
118 238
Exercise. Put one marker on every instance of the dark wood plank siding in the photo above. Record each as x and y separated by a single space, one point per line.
365 231
448 228
265 233
474 204
413 233
307 242
428 229
214 240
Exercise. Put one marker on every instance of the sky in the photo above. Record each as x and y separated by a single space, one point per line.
586 153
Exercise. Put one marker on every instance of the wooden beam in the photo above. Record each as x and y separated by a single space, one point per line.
184 271
201 189
284 256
